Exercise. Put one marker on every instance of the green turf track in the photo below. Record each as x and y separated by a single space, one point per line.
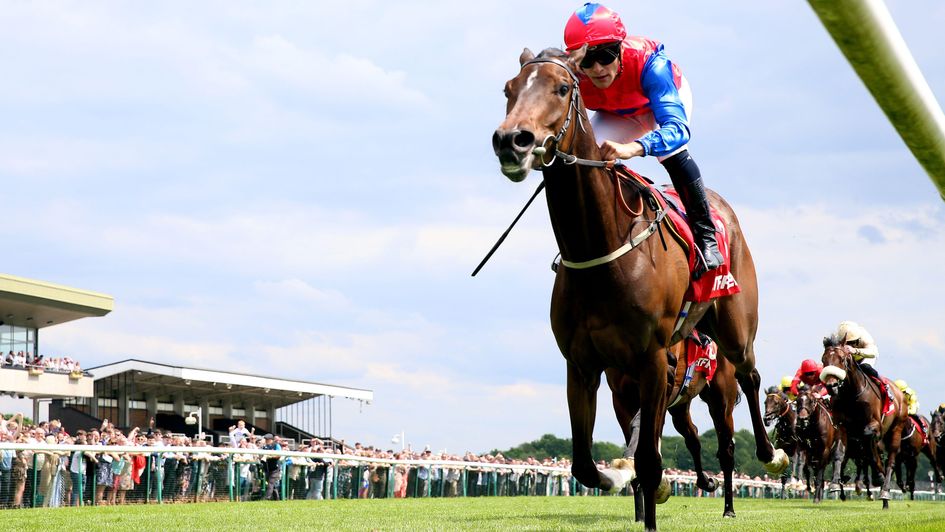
508 513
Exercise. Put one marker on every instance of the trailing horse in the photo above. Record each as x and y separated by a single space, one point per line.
937 433
778 408
915 441
858 405
818 437
619 295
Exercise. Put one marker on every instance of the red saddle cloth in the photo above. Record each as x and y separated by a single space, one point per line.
715 283
923 430
888 405
702 353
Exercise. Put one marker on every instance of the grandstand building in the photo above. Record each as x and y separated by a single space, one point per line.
131 392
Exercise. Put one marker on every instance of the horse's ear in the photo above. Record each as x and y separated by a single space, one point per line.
527 55
575 57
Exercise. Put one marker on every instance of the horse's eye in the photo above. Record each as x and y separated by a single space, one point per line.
563 89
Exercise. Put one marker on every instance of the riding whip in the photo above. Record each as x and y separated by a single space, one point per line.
506 233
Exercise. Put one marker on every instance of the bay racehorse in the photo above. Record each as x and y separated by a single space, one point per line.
937 433
778 410
611 309
858 402
818 438
721 395
914 443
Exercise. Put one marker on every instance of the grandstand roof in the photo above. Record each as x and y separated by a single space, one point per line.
215 384
30 303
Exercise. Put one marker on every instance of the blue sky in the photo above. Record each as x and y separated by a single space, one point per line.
302 189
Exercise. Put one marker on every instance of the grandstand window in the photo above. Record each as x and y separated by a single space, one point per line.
215 410
165 407
239 412
261 414
138 404
15 338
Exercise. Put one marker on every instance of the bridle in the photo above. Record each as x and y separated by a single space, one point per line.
787 404
552 142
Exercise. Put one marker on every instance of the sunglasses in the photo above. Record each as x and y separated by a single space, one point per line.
603 55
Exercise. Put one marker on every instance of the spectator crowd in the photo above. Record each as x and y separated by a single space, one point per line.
47 475
30 361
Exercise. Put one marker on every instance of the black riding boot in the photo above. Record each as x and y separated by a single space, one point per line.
687 180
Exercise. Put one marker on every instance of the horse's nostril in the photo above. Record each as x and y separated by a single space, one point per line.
496 140
524 139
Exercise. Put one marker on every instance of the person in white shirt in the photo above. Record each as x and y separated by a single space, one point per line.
239 432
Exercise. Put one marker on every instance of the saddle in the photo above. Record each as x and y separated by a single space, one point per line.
714 283
889 403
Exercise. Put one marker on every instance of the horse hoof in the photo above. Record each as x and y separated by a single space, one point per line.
663 491
729 514
778 463
709 485
885 505
618 479
884 496
835 486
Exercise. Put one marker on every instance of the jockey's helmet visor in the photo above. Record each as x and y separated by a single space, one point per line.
603 55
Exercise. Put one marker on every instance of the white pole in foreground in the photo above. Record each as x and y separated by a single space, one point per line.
868 37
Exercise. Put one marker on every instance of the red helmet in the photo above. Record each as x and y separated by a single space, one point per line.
811 366
593 24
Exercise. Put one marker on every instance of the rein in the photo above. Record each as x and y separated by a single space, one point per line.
551 142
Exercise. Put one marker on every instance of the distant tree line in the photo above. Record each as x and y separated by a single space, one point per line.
675 453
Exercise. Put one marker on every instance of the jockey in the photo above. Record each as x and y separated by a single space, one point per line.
786 382
643 104
861 345
912 401
809 374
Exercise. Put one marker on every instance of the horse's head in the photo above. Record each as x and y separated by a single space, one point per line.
776 405
804 406
543 101
937 425
836 359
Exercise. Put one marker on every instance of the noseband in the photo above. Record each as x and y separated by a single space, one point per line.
552 141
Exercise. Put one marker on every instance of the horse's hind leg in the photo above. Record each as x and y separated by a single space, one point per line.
735 323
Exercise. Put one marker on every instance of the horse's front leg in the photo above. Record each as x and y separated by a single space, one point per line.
682 421
838 459
722 395
582 406
895 441
819 479
649 462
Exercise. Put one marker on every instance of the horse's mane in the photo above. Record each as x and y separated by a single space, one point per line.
832 341
552 53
